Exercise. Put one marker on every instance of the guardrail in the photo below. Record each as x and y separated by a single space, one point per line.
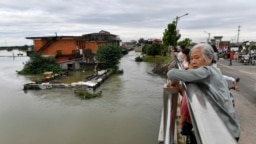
207 125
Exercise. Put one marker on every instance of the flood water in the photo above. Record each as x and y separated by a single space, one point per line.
128 112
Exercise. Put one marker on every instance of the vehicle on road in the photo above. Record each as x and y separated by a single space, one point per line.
247 59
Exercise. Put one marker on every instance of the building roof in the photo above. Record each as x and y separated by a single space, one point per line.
58 37
102 32
218 37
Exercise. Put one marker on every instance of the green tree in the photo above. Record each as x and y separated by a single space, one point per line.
124 50
141 41
170 35
253 47
154 50
186 42
109 55
145 48
38 65
164 50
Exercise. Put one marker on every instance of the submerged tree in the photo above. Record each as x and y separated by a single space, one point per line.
109 55
39 64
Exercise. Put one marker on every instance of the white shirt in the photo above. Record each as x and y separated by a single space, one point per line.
179 56
228 78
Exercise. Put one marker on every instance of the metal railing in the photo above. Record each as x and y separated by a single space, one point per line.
208 128
207 125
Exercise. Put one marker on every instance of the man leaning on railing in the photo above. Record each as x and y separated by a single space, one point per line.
212 84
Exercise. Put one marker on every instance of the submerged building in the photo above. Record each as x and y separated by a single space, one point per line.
73 52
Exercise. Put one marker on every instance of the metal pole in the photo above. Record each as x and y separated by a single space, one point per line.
209 35
238 32
176 23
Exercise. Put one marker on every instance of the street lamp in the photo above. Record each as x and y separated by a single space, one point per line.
176 23
178 17
209 35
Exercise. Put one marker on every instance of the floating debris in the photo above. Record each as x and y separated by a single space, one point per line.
92 82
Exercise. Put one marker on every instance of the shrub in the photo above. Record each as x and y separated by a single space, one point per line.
38 65
138 59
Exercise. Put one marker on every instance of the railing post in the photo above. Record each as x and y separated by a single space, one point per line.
170 100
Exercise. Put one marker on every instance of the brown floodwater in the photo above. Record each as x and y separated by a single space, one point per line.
128 112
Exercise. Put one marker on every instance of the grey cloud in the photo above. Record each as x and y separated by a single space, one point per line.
128 17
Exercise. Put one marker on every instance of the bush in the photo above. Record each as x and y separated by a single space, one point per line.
109 55
38 65
156 59
83 94
138 59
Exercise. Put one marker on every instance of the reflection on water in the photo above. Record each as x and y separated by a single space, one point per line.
12 53
127 113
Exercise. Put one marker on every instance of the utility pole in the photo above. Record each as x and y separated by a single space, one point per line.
238 32
209 36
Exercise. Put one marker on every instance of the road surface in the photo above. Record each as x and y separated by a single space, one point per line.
245 98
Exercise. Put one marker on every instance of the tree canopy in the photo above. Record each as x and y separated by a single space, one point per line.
109 55
39 64
187 42
170 35
152 49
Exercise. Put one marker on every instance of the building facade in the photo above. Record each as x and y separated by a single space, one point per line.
73 51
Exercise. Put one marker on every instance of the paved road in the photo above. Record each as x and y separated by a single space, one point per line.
245 98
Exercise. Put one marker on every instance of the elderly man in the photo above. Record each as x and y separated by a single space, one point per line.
212 83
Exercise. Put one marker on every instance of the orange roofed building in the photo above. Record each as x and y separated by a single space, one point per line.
71 52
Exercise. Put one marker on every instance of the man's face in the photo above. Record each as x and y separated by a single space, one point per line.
196 58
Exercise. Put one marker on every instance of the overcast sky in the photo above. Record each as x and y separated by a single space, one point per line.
130 19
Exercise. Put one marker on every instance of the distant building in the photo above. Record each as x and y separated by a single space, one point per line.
130 44
72 51
221 45
154 41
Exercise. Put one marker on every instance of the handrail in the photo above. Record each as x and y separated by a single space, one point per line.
170 100
207 125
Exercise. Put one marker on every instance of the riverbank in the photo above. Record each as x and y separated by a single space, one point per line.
161 69
161 64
